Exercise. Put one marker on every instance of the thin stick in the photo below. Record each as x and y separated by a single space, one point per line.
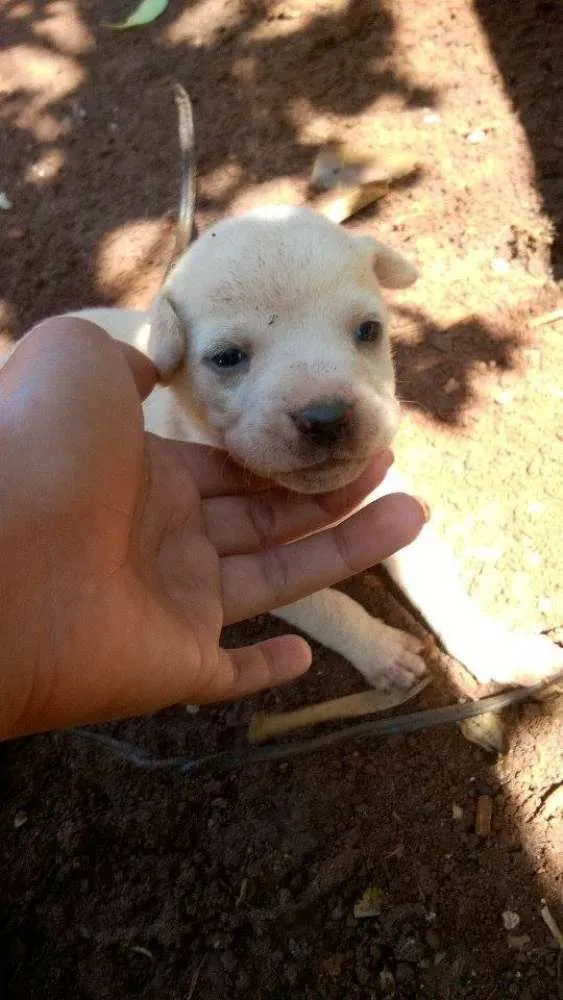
264 726
195 979
546 318
550 921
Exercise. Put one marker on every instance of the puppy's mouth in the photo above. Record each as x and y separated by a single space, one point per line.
324 476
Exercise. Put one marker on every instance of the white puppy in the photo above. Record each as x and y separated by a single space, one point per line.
272 337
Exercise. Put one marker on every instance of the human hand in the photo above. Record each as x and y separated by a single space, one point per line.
124 554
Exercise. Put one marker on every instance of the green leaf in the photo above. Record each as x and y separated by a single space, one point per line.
145 13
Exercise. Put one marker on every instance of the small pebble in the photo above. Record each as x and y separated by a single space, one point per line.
510 920
5 203
433 939
500 266
20 818
333 965
370 903
452 385
518 941
387 983
503 397
535 507
476 136
432 118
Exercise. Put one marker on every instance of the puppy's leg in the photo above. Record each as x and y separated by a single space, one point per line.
385 656
426 573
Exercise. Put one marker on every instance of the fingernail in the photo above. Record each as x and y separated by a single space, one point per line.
425 508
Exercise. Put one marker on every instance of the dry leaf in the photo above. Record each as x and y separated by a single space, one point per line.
485 730
145 13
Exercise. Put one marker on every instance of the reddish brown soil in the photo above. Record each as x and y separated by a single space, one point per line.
119 884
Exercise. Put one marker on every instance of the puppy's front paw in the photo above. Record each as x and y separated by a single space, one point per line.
492 653
392 659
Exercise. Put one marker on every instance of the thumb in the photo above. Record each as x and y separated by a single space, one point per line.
144 373
245 671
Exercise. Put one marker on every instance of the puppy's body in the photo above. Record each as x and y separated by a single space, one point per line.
271 335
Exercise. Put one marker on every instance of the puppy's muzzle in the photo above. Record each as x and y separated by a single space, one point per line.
325 423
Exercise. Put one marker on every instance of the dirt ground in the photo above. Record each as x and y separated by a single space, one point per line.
121 884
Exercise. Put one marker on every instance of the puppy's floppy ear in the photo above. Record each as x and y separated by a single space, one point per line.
166 337
391 269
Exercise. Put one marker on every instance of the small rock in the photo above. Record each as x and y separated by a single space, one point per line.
20 818
438 341
500 266
387 983
510 920
431 118
333 964
503 396
5 203
409 950
457 812
452 385
433 939
518 941
370 903
404 974
476 136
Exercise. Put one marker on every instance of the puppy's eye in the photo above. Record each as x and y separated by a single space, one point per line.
369 331
230 357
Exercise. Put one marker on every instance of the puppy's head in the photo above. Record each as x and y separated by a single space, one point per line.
280 322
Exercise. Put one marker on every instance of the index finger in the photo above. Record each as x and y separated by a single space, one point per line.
259 521
253 584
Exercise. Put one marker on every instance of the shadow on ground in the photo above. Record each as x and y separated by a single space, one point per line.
532 77
255 78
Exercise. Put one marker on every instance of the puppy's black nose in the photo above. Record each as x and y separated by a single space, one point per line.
325 422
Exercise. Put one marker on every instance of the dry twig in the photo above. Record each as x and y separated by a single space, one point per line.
264 726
